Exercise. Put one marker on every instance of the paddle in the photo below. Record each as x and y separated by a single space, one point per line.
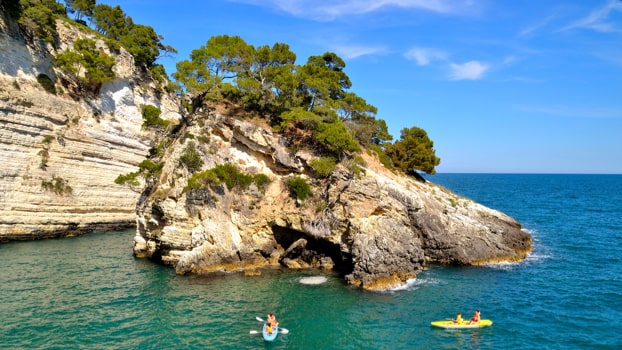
281 329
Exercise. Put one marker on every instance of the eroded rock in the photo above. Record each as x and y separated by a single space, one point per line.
377 229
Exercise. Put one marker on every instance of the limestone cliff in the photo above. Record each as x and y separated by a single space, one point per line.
60 153
376 228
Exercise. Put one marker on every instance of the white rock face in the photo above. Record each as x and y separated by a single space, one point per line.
59 157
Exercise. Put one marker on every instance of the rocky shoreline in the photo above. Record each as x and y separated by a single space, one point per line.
377 229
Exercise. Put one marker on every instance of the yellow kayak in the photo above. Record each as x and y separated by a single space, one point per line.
450 324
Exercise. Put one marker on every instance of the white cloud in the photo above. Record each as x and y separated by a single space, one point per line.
327 10
597 19
423 56
472 70
529 31
354 51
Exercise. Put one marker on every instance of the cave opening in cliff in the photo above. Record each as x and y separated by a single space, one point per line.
312 249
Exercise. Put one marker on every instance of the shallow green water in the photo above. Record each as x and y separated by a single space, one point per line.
89 292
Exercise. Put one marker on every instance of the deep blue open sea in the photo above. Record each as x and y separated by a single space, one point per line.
89 292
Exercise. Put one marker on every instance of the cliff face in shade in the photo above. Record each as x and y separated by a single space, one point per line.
378 229
60 154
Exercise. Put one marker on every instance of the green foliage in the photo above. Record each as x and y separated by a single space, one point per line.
145 45
158 73
149 167
336 138
38 17
158 150
150 113
369 131
261 180
262 77
46 83
414 151
139 40
307 103
87 63
232 177
151 118
323 166
128 179
301 118
382 156
227 173
330 135
312 97
212 64
355 165
191 158
299 188
113 45
81 8
145 168
57 185
204 179
264 80
187 135
110 21
47 139
322 80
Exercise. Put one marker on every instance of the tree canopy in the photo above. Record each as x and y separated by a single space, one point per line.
414 151
38 19
139 40
313 98
262 75
81 8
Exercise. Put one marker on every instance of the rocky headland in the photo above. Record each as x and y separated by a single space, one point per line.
62 152
376 228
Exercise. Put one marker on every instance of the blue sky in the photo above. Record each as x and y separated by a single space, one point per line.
517 86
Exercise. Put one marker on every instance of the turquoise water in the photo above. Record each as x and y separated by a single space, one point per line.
89 292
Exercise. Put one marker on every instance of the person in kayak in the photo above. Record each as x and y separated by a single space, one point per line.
476 317
458 319
268 328
272 320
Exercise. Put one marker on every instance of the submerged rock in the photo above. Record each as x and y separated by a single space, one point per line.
313 280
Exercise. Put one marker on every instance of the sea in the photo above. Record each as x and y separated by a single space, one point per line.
89 292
